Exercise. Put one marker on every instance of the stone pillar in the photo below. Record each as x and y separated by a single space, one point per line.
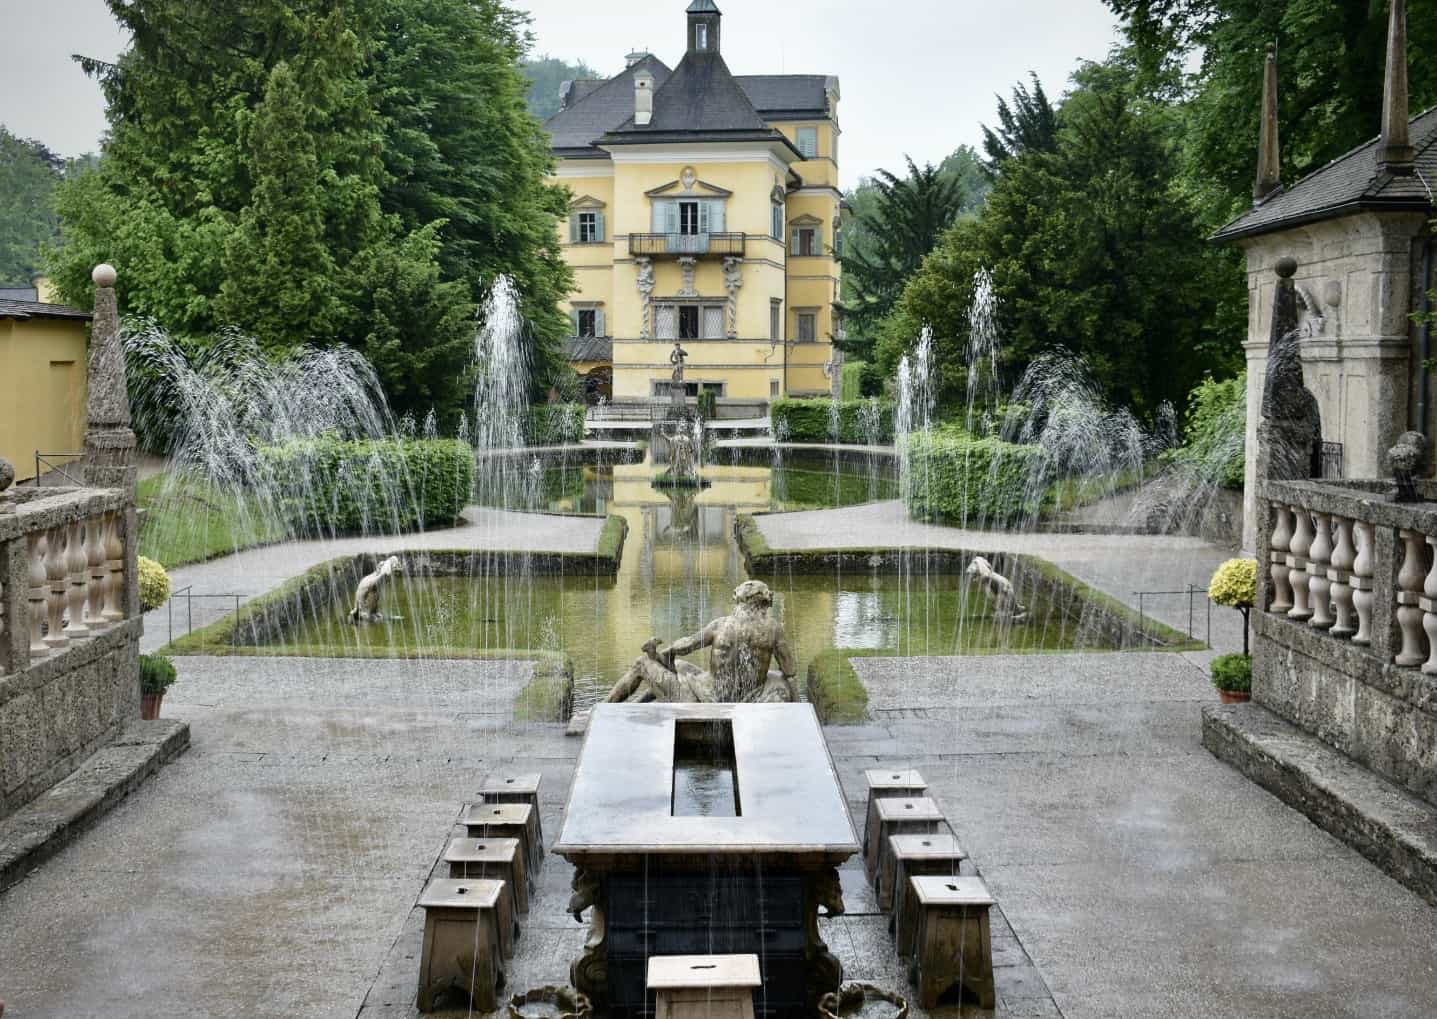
109 442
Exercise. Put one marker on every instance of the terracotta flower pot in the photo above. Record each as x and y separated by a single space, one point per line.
150 706
1235 696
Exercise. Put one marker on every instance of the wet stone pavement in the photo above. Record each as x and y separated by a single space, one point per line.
272 870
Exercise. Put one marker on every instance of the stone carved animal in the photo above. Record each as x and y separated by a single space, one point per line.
1006 606
366 595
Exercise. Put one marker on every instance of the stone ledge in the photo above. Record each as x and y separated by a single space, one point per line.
1390 827
43 827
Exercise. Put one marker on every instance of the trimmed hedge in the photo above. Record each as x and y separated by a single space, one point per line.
837 694
957 479
812 421
367 486
554 424
853 380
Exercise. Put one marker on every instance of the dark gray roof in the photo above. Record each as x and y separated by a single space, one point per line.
700 101
598 109
590 348
19 294
37 309
775 94
1347 184
702 7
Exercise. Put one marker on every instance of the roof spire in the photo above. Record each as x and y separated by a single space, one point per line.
1269 170
703 18
1395 154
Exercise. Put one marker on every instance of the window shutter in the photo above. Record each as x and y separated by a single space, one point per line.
793 248
574 228
598 226
716 216
656 217
671 218
705 217
574 321
599 322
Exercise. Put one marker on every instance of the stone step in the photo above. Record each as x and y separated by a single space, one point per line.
1391 827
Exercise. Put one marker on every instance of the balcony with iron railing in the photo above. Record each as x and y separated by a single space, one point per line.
711 245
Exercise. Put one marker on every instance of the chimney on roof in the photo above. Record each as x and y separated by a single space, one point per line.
565 88
643 98
630 59
1269 167
1395 154
704 17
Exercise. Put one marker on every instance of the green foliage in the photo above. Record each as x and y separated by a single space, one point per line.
355 172
975 482
154 584
1234 584
894 221
157 674
1091 248
611 537
708 404
187 520
546 74
1232 673
549 694
1214 440
28 175
554 424
812 421
365 486
1029 125
852 380
837 694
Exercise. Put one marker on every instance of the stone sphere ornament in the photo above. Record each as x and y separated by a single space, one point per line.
104 275
1287 267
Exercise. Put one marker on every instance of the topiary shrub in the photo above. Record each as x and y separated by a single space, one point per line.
157 674
1232 673
812 420
154 584
554 424
364 486
1234 585
953 478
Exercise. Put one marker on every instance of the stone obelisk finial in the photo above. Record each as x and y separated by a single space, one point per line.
1395 154
109 442
1269 170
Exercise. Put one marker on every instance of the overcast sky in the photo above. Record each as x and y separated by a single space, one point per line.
917 76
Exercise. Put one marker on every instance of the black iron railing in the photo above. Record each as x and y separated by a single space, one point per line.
1332 461
686 244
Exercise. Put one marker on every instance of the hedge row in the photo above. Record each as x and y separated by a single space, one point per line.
363 486
554 424
953 478
812 420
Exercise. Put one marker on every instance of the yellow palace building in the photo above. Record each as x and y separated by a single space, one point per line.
706 211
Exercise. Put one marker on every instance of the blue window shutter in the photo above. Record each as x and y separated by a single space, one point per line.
671 218
705 217
574 322
793 242
598 226
716 216
656 218
599 322
574 228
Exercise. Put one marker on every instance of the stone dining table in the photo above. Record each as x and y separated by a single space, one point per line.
706 829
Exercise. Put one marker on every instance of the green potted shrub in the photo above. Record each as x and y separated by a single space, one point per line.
154 584
1232 675
157 674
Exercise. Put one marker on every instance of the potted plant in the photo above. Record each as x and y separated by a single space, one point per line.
1234 585
157 674
1232 675
154 584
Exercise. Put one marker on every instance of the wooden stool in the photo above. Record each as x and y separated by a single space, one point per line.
518 789
493 859
501 859
503 821
900 816
703 986
461 942
953 944
882 785
913 855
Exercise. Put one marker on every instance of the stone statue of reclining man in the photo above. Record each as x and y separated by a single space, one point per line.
741 648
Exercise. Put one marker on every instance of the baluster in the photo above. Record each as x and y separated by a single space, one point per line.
115 566
95 565
1281 540
1428 602
1409 589
1362 582
76 580
1343 556
37 595
1318 587
55 593
1302 537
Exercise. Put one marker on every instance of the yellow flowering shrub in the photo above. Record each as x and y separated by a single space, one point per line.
154 584
1234 583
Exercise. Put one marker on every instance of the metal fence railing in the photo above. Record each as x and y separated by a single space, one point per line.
188 593
44 458
1192 592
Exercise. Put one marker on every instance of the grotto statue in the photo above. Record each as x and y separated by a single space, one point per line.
1405 460
741 648
366 595
1006 607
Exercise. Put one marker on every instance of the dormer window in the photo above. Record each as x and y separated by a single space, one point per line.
701 36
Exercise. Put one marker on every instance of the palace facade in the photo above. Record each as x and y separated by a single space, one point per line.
706 209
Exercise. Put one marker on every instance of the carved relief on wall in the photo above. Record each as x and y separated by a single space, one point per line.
687 265
645 280
732 280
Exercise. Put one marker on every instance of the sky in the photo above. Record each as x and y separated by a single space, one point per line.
917 77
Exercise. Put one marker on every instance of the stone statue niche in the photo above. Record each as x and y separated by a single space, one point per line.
1290 434
367 594
741 646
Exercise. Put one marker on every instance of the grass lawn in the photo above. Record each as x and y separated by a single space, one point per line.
189 521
